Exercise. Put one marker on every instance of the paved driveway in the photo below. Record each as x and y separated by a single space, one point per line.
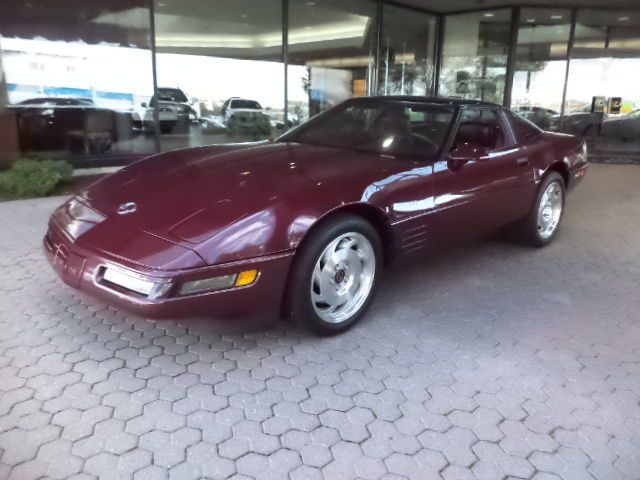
488 362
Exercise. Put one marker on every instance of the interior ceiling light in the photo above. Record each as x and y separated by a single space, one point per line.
623 19
531 20
556 17
489 14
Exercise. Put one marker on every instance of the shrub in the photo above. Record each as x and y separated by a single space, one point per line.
35 178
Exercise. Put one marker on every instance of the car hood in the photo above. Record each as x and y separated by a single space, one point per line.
232 202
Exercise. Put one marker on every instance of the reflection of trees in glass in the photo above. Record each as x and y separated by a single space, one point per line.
529 66
408 79
479 78
406 68
306 82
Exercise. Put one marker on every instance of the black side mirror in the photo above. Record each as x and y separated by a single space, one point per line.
143 104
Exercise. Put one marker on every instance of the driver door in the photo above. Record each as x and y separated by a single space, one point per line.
483 182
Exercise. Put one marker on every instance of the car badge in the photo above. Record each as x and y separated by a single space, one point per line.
127 208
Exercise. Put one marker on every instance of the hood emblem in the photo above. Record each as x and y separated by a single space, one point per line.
127 208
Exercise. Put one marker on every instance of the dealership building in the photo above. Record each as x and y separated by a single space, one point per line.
106 82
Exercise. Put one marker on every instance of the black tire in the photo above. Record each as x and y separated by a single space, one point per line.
298 303
167 128
528 231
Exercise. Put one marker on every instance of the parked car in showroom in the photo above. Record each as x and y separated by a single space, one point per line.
173 109
625 128
241 114
539 115
303 225
579 122
68 124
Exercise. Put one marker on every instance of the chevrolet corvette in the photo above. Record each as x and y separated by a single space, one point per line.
303 225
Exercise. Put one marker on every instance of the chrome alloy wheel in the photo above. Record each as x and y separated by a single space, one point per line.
343 277
550 210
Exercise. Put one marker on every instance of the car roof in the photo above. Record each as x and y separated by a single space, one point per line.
452 101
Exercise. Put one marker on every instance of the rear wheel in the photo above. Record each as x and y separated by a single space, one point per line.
334 275
541 225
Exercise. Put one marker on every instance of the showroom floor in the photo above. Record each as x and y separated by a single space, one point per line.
488 362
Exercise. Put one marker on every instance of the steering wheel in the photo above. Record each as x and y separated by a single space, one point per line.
420 141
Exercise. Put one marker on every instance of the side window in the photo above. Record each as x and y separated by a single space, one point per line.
428 126
482 128
523 128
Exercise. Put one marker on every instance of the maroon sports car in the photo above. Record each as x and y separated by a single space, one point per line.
302 225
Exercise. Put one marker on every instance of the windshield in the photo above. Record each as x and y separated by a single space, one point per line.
58 101
172 95
390 127
248 104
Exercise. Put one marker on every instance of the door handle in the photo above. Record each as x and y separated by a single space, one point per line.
522 161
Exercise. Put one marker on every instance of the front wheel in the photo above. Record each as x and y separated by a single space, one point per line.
541 225
334 275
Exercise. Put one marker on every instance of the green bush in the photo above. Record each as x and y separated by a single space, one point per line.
35 178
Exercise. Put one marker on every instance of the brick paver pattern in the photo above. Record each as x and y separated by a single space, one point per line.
491 361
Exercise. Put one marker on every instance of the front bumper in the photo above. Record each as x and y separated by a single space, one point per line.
82 269
576 174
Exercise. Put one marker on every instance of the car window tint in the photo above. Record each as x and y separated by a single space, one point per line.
383 127
482 128
523 128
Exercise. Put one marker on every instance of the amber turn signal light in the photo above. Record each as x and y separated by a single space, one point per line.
246 278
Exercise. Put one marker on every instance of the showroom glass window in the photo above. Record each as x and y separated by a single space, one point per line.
407 52
474 56
540 64
219 71
606 52
72 77
331 51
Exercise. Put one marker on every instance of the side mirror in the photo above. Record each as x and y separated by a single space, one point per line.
143 104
